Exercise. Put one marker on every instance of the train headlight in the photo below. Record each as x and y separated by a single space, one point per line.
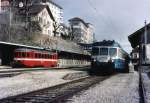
94 60
111 60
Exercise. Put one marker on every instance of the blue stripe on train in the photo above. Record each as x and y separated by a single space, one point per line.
119 64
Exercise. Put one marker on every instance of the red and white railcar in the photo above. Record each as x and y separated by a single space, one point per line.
34 58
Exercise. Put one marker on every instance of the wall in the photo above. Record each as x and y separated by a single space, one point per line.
45 22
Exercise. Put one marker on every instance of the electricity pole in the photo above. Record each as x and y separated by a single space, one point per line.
26 13
10 20
145 41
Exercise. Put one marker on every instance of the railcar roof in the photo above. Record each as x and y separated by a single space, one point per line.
29 50
107 43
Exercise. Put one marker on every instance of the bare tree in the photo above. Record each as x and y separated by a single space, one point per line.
4 33
35 26
56 28
72 33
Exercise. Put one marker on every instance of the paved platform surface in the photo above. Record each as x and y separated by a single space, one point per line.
31 81
146 82
121 88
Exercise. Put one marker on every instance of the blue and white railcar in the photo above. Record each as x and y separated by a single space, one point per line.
108 56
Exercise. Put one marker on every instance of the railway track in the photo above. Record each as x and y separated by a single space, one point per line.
56 94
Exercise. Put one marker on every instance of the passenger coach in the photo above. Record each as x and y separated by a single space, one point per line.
24 57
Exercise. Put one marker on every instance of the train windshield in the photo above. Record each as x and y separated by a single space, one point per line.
95 51
103 51
112 52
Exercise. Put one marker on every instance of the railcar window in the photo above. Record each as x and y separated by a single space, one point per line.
112 52
16 54
43 56
95 51
36 55
19 54
28 55
23 54
31 55
40 55
103 51
46 56
120 53
49 56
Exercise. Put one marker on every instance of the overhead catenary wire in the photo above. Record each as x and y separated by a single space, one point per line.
103 18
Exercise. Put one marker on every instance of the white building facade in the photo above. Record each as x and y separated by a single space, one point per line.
45 22
4 5
44 18
90 33
56 10
83 32
40 19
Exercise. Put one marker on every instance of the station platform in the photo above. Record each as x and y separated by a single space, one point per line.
145 76
120 88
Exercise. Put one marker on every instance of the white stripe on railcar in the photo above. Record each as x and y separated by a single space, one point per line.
27 59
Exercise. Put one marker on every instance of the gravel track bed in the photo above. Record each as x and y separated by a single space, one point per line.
32 81
121 88
54 94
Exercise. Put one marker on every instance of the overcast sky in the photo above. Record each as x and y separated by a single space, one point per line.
112 19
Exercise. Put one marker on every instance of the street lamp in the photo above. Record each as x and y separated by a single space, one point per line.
21 5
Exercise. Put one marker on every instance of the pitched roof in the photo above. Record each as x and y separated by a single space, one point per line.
50 1
135 37
55 4
107 43
78 19
35 9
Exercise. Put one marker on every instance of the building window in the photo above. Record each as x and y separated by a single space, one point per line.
40 20
49 32
48 23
